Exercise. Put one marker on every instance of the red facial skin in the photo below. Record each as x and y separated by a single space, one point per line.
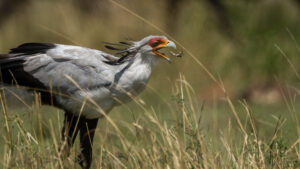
155 41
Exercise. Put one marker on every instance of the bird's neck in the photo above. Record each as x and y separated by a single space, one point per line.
145 60
132 77
136 71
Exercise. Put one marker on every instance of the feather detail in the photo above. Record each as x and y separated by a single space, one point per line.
111 48
125 43
32 48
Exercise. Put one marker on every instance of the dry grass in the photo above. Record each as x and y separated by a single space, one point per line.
149 141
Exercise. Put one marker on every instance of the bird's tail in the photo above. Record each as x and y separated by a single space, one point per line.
8 61
9 65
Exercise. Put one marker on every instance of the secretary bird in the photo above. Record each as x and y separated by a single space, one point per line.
81 81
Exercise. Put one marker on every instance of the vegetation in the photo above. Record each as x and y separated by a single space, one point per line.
232 100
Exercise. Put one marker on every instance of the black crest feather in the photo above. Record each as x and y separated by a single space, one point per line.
123 53
112 48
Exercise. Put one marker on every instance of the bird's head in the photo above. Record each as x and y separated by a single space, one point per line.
151 45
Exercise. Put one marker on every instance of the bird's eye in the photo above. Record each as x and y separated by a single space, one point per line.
156 43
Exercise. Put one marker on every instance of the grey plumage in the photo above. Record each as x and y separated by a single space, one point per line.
101 76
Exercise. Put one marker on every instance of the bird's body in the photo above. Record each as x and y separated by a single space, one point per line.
81 80
76 72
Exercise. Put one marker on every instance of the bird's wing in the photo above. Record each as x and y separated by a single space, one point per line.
52 66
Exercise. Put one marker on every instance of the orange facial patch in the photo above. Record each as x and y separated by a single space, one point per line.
153 42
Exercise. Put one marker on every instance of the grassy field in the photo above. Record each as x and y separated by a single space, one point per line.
192 114
176 134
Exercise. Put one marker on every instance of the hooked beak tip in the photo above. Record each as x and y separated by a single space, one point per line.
171 44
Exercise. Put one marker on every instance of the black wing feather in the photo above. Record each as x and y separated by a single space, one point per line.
32 48
11 65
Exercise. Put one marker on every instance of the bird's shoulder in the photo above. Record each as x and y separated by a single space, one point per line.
74 52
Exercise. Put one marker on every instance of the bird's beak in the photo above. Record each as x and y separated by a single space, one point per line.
165 44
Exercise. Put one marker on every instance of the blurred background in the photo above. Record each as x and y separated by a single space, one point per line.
252 46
